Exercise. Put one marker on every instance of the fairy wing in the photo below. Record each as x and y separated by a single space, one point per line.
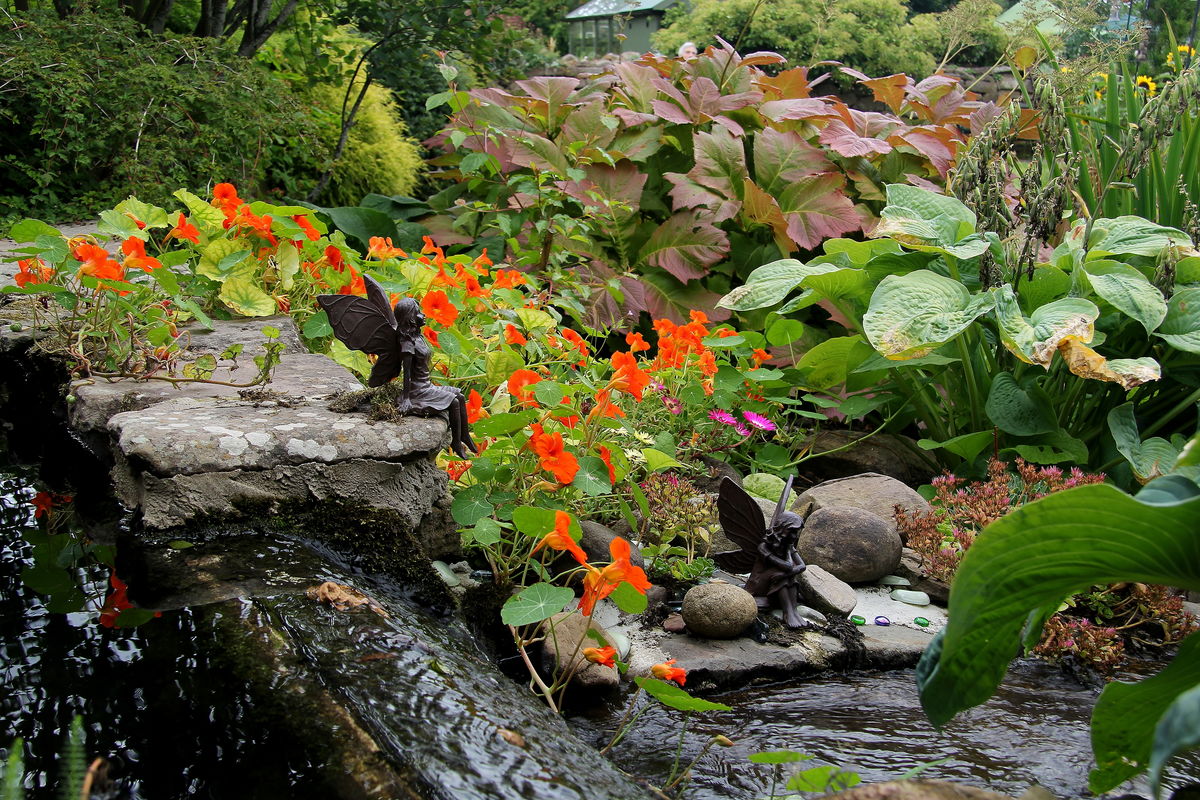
742 520
363 323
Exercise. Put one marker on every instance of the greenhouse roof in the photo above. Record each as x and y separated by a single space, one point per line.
609 8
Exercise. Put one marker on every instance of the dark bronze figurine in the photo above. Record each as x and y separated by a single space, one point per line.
767 553
393 335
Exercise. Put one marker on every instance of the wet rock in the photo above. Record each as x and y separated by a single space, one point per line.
917 790
826 593
298 378
718 610
878 494
881 453
596 540
893 646
655 596
566 636
854 545
735 662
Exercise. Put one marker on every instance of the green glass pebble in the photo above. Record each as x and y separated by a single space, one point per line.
857 620
924 623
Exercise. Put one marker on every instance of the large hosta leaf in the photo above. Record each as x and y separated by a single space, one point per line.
912 315
771 283
1179 729
1087 363
1033 558
924 220
816 208
1181 326
1128 291
1022 410
1126 715
1130 236
1035 339
1149 459
685 246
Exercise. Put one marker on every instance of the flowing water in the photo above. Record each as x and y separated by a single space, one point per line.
159 702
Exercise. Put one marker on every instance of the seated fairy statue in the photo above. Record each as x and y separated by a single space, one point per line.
393 335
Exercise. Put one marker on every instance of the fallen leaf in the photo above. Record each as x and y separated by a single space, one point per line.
343 598
512 737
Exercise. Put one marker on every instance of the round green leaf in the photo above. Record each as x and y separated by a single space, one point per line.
535 603
246 298
471 505
672 696
592 477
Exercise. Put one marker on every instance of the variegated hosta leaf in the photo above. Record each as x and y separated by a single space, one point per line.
1149 459
770 283
1128 291
911 315
1129 236
923 220
1034 340
1181 327
1087 363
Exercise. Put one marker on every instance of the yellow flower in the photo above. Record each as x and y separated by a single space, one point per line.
1147 83
1188 52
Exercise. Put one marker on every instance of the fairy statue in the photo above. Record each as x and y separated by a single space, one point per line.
393 334
767 553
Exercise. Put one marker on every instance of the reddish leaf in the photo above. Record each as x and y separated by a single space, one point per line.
605 309
685 246
636 85
531 150
633 118
816 209
547 98
618 186
787 85
889 90
935 143
720 161
667 297
638 145
843 141
706 98
806 108
761 208
686 193
981 116
671 112
1027 127
781 157
586 124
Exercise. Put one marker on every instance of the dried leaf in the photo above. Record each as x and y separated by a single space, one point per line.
342 598
512 737
1087 363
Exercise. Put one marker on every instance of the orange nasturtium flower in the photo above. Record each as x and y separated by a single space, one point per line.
560 538
429 333
707 363
600 583
32 270
759 357
439 256
97 263
554 456
666 672
302 220
356 285
455 469
185 230
604 407
42 503
514 336
475 410
383 249
474 288
627 377
135 255
438 308
606 457
482 262
637 343
604 656
333 255
509 279
519 383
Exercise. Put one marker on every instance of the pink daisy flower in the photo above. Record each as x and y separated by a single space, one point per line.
741 429
758 421
724 417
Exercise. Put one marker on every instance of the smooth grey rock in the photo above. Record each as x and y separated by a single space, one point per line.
595 542
827 593
872 492
736 662
718 610
304 377
674 624
917 790
856 546
913 598
895 580
189 436
246 332
894 646
566 636
882 453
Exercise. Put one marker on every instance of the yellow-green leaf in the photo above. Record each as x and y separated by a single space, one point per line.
243 296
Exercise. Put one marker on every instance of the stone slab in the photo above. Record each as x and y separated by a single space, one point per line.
893 646
302 376
740 661
188 436
247 332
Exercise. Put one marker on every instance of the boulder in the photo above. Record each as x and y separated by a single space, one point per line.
596 540
917 790
878 494
825 593
566 636
881 453
854 545
718 610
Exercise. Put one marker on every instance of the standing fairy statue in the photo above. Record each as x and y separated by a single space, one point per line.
768 553
393 334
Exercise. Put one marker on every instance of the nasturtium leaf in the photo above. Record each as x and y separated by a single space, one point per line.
657 460
500 363
27 230
1181 327
535 604
1022 410
548 393
150 216
243 296
1128 291
533 319
503 424
471 505
288 259
778 757
1035 340
827 778
354 360
217 261
672 696
968 446
1035 556
114 223
486 531
47 578
592 477
533 521
912 315
317 326
200 211
54 248
173 258
629 599
782 331
132 617
167 280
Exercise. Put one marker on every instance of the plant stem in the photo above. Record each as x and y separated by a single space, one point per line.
625 723
678 749
1181 406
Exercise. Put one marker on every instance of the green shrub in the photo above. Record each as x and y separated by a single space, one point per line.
868 35
95 108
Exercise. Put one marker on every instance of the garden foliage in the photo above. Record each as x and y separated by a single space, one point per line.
666 181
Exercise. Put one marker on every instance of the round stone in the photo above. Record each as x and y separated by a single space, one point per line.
854 545
910 597
718 610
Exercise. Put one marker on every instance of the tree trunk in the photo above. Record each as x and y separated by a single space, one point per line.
162 11
347 124
262 30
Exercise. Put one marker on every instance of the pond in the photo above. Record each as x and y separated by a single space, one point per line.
160 705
